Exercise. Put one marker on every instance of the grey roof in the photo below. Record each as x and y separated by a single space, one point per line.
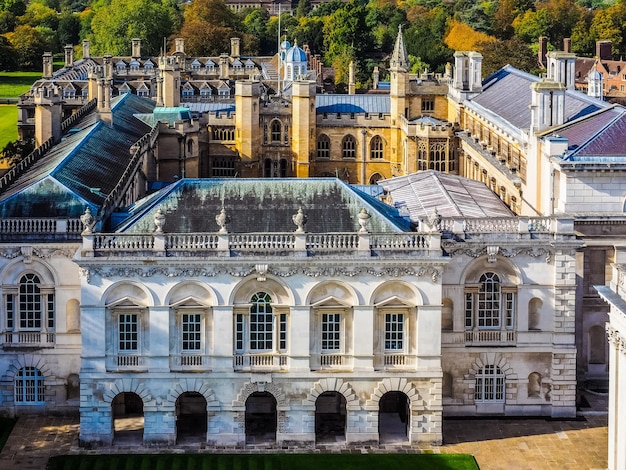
453 196
260 205
82 169
213 107
507 93
365 103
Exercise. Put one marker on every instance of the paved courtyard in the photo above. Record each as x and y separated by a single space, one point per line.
497 444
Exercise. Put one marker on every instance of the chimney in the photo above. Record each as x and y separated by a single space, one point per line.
567 45
351 81
136 48
548 104
93 75
603 50
47 65
376 77
86 51
224 67
48 114
104 101
461 71
179 45
69 56
543 50
234 47
107 61
475 72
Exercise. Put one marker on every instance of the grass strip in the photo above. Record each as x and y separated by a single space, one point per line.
263 461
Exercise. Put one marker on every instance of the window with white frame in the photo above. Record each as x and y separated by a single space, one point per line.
331 332
262 329
191 332
128 332
489 387
490 305
29 386
394 332
30 307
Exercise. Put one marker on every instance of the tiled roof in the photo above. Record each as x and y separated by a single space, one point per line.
582 130
453 196
260 205
608 144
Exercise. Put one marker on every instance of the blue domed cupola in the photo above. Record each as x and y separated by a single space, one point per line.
294 63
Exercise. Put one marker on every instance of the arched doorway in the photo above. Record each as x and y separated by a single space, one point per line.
261 418
394 417
191 418
330 417
128 422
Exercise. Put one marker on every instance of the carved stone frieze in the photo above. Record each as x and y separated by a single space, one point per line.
44 253
434 272
457 249
10 253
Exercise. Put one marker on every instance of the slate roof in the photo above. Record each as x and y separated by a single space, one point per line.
453 196
260 205
507 93
364 103
598 138
82 169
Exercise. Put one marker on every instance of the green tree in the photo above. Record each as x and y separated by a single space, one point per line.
497 54
38 14
609 25
532 24
309 31
115 25
68 31
303 9
582 42
255 24
346 30
29 46
7 55
16 7
8 22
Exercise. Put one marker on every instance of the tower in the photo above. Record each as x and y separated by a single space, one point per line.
399 107
303 135
248 138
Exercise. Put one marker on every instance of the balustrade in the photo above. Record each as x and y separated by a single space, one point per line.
28 339
188 362
259 361
325 361
491 337
126 362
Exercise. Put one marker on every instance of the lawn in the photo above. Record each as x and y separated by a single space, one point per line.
13 84
263 462
8 124
6 426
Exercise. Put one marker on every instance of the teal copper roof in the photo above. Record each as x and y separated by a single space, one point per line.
82 169
261 205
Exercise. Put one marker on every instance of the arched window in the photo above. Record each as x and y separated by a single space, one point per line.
261 329
323 146
489 386
348 147
488 305
422 156
276 131
376 148
29 388
30 307
190 147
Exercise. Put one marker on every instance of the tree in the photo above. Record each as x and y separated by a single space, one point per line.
15 150
346 30
29 46
461 37
496 54
7 55
309 31
303 9
115 25
531 25
68 31
38 14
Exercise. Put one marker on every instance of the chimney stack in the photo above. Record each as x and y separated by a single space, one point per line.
567 45
179 45
136 48
234 47
543 50
47 65
604 50
69 56
86 51
48 114
351 81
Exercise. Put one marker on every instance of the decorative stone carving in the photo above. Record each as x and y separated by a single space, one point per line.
492 252
364 220
27 253
261 271
88 221
434 220
159 221
222 219
300 220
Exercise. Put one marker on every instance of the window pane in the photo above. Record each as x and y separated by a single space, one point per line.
128 331
331 332
30 302
191 332
394 331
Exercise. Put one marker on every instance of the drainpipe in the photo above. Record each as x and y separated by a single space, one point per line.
363 155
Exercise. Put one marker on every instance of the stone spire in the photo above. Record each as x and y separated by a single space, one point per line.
399 59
